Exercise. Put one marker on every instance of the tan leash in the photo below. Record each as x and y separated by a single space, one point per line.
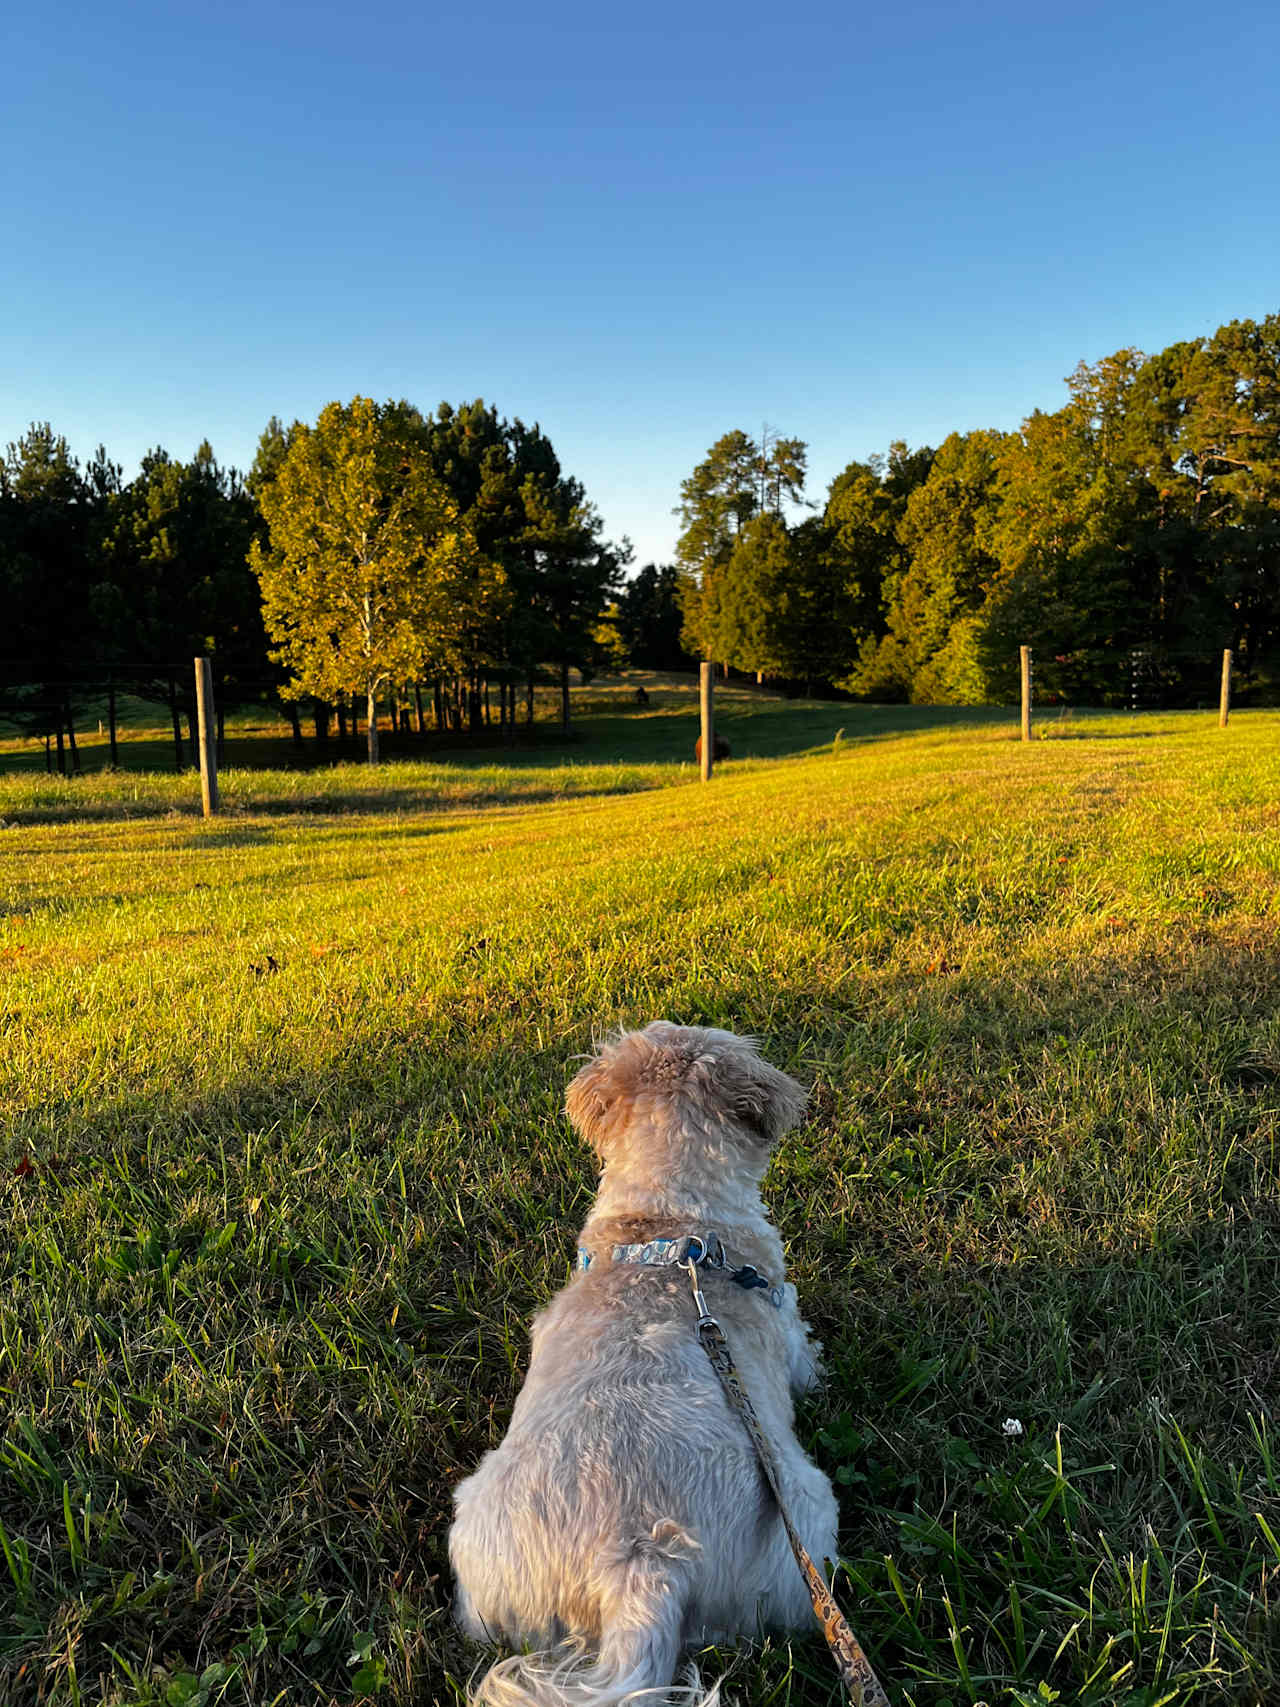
851 1662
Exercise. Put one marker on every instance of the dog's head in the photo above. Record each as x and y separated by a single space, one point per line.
685 1083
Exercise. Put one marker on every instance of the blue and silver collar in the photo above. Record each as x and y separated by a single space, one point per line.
704 1253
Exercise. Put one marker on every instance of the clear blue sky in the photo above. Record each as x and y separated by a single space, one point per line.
641 226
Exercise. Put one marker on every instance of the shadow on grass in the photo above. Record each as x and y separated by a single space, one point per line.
384 800
1024 1274
614 751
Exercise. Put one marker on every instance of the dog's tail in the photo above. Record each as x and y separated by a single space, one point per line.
642 1600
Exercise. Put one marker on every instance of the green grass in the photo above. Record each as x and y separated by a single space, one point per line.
284 1174
608 729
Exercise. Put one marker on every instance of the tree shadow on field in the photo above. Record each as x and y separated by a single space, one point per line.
1048 730
480 775
770 728
389 797
1053 1201
232 835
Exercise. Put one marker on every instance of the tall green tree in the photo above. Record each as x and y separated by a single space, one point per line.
51 518
536 522
749 622
177 557
939 581
1205 435
1069 510
568 576
865 506
369 577
650 619
823 617
173 581
738 479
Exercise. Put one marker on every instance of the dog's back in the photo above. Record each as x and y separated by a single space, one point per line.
624 1516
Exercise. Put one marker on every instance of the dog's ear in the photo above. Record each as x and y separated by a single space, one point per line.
631 1067
734 1075
592 1095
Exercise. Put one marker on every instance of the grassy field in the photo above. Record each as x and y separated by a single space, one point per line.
608 728
284 1174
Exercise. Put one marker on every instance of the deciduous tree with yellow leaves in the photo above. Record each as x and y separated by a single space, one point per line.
370 578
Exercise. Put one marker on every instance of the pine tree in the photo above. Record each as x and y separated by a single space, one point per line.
737 480
535 522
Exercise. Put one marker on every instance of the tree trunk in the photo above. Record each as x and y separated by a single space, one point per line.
340 710
48 754
437 705
295 722
417 701
177 726
473 702
320 711
71 737
371 719
488 721
564 696
62 751
528 704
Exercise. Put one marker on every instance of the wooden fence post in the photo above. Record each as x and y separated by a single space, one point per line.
1024 653
208 725
1224 698
706 690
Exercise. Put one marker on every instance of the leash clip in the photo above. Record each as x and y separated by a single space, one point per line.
704 1315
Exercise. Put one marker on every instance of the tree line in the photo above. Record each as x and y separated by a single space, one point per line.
365 560
389 565
1134 531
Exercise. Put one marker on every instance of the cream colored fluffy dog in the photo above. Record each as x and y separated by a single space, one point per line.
625 1516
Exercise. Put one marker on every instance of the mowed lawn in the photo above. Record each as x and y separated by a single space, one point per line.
284 1174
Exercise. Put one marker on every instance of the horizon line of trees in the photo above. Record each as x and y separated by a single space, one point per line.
1132 532
380 554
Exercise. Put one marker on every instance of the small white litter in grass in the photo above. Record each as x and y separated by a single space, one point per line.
1012 1427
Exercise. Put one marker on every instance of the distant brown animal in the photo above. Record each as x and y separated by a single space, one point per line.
642 698
719 748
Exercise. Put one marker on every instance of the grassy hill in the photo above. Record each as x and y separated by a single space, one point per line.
284 1175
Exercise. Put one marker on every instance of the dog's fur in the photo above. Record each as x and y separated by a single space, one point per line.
625 1515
